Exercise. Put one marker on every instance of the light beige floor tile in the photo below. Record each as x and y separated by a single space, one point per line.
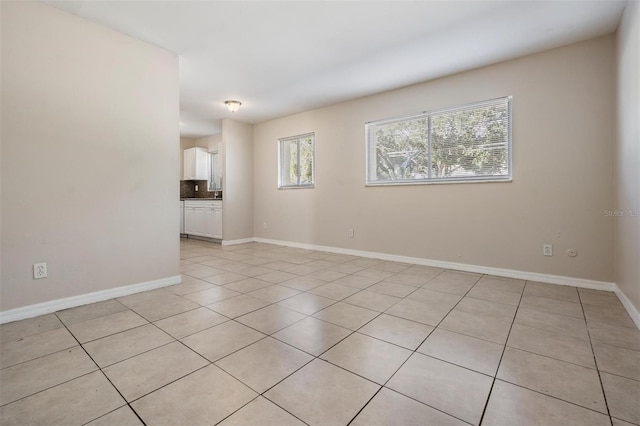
485 326
552 306
201 272
410 280
264 363
273 293
476 354
560 324
618 361
225 278
597 299
247 285
35 346
346 268
622 397
312 335
107 325
237 306
347 316
123 416
371 300
453 282
435 298
221 340
552 291
36 375
303 283
157 304
500 290
498 296
91 311
322 394
212 295
190 322
28 327
306 303
334 291
427 313
189 287
253 270
455 390
609 315
261 411
151 370
392 289
486 308
399 331
75 402
276 277
569 382
426 271
204 397
364 262
624 337
374 273
513 405
370 358
542 342
270 319
389 408
617 422
117 347
356 281
326 275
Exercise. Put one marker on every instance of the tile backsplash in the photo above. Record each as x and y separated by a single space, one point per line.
188 189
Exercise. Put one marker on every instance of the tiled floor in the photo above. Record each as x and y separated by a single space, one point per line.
260 334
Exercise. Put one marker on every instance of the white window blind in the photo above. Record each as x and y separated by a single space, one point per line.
467 143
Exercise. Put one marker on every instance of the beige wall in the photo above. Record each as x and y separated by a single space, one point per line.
89 157
627 160
563 138
237 182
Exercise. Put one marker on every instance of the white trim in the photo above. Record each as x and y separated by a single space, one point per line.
235 242
510 273
84 299
633 312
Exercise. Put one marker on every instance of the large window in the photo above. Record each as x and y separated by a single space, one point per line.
467 143
296 161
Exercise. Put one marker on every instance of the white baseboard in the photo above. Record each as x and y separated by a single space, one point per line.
633 312
84 299
509 273
240 241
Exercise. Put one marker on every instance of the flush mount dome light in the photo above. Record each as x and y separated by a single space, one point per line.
233 105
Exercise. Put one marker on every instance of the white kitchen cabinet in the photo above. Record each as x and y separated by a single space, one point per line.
203 218
196 164
181 217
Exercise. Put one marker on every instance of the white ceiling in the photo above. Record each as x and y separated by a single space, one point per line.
283 57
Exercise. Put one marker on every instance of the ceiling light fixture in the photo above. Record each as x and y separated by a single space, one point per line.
233 105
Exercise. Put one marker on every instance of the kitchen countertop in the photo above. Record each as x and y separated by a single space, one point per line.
203 199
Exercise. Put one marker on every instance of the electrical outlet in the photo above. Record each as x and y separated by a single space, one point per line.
196 188
547 250
39 271
350 233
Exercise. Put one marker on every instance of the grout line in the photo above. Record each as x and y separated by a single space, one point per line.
504 348
595 361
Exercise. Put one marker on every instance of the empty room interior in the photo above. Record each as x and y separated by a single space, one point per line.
320 212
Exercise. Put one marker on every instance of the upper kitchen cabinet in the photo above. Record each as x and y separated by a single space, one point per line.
196 164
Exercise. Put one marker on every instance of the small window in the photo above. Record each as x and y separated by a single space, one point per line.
462 144
296 161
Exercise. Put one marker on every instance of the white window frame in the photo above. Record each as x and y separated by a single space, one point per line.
281 162
370 148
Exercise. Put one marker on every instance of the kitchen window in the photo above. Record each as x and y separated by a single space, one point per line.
469 143
296 161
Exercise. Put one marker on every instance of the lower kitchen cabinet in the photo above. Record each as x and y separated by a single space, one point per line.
203 218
